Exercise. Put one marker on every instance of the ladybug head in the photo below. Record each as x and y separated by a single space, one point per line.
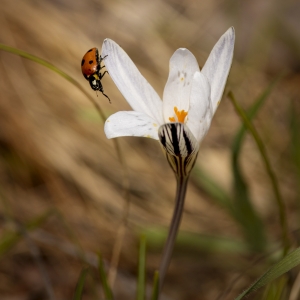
95 83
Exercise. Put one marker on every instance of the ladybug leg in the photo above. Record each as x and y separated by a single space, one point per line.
101 58
106 96
101 75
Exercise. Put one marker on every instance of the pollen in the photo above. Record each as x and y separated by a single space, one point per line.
180 114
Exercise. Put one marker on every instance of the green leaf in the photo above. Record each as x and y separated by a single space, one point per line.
240 207
215 191
265 158
245 213
142 269
156 237
80 284
276 290
155 289
107 290
286 264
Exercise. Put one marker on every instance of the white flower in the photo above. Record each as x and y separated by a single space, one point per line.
190 97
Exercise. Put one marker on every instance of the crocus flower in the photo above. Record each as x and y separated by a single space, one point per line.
180 121
190 99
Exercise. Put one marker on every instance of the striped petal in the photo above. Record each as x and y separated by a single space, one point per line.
131 123
180 146
218 64
134 87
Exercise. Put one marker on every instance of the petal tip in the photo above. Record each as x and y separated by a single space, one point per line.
231 33
182 52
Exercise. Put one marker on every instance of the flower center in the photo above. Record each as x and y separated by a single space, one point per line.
179 115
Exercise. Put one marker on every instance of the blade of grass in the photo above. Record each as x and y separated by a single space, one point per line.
125 181
238 210
9 239
155 289
80 284
276 289
215 191
106 289
290 261
220 196
245 212
249 219
54 69
141 269
252 112
187 240
275 186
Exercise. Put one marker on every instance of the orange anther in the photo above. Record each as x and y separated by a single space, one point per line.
179 114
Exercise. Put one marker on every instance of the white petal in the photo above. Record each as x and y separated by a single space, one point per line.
183 66
131 123
134 87
200 112
218 64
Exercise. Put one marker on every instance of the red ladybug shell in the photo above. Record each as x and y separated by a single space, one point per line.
90 67
90 63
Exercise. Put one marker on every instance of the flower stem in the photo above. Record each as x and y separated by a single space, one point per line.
168 249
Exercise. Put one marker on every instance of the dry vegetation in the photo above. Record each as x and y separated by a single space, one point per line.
54 154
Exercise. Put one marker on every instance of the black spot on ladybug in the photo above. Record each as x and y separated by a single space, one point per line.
91 61
82 62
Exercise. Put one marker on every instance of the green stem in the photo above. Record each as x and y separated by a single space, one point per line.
263 152
155 292
177 214
141 270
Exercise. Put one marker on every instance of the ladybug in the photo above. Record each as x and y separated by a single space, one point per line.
91 69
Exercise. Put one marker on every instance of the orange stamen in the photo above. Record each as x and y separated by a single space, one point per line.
180 115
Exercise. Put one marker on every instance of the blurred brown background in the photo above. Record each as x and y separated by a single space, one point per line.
54 154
